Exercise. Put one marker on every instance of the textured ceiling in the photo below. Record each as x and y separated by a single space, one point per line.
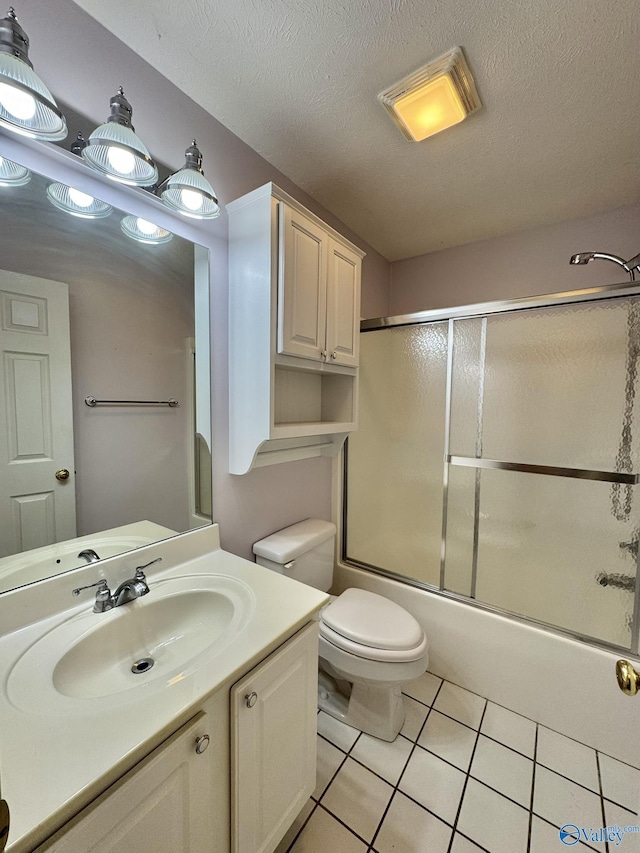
558 136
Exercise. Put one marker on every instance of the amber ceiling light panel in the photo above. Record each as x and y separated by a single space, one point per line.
433 98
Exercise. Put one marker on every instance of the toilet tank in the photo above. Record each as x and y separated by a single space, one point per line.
304 552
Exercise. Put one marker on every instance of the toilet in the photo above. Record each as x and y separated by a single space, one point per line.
369 646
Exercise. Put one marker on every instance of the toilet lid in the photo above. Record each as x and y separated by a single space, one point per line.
371 620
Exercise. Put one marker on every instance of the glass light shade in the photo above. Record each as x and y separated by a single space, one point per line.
13 174
188 191
144 231
117 152
433 98
26 105
430 109
76 202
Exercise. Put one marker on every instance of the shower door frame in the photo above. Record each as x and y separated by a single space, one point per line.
482 310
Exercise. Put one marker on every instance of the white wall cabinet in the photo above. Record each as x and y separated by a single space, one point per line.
273 726
318 293
165 804
294 322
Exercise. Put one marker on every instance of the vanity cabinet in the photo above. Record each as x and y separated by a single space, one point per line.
167 802
294 321
273 743
233 778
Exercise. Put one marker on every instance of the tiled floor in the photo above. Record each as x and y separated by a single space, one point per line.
463 776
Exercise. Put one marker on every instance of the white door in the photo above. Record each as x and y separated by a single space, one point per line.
302 286
36 417
273 743
343 305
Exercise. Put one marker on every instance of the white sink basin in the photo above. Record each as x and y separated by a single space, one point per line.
146 644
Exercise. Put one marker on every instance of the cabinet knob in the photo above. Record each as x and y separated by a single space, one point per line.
251 699
324 353
202 744
334 355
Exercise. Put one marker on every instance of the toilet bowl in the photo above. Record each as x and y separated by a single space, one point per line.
368 647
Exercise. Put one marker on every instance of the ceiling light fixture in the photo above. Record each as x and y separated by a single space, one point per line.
114 149
188 191
13 174
144 231
26 105
433 98
74 201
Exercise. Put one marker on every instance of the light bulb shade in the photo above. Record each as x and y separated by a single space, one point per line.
26 105
188 191
116 151
77 203
144 231
13 174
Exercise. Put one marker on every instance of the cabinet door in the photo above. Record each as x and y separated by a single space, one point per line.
343 305
302 297
163 805
274 721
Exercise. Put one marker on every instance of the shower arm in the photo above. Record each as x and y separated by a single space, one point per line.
629 267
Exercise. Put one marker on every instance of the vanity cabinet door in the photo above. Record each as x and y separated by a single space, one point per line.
163 805
273 737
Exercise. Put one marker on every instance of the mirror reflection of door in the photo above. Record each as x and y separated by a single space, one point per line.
36 418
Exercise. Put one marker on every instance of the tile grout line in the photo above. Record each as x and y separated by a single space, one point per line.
467 775
533 788
604 818
395 787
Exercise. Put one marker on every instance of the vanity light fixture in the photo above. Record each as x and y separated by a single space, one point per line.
114 149
144 231
26 105
13 174
433 98
188 191
74 201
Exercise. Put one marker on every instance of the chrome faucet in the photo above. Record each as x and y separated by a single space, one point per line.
89 555
128 590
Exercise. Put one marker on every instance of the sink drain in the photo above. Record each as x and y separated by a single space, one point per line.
142 665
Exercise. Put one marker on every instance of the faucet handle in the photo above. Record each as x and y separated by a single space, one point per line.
101 583
140 573
103 601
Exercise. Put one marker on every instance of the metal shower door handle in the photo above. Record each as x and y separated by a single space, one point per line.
628 678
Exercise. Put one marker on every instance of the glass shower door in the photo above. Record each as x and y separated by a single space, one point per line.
394 493
497 458
546 534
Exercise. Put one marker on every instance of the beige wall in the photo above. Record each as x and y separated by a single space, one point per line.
526 263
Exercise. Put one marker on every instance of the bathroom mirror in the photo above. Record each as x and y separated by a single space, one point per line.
88 312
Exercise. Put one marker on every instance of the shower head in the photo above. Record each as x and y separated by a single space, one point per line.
585 257
582 258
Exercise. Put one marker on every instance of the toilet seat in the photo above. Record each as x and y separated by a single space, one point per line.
372 627
370 652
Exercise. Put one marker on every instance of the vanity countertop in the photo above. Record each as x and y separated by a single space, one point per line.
58 752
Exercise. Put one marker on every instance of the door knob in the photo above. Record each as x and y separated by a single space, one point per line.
628 678
4 824
62 474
